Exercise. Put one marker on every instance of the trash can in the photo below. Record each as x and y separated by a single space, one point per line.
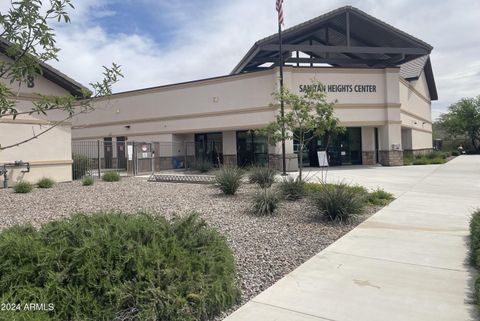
177 163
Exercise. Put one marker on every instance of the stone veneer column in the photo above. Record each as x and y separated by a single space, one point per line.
229 141
390 134
368 146
275 157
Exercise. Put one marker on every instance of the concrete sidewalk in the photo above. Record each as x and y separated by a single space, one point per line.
407 262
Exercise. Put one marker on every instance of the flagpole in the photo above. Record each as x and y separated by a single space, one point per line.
282 109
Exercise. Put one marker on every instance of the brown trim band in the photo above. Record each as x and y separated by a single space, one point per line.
369 123
45 162
418 129
20 121
403 111
226 112
177 117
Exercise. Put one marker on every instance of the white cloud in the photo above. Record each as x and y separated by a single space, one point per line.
210 41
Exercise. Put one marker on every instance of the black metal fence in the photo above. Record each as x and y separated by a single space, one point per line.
141 158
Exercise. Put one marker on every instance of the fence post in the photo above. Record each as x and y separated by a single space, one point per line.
152 154
135 159
98 160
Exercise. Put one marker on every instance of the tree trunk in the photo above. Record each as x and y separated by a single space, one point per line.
300 161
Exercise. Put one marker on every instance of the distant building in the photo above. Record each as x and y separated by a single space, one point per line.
381 78
50 154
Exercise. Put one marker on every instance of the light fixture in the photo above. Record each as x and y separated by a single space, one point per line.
127 126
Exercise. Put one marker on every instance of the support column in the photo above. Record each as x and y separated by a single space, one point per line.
275 156
391 153
390 134
230 148
368 146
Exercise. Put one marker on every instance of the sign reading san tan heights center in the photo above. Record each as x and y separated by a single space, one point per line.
338 88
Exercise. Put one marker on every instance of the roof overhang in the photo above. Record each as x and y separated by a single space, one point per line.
345 37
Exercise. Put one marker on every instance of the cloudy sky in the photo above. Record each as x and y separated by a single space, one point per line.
159 42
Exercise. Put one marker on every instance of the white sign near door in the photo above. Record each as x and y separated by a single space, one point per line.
322 159
130 152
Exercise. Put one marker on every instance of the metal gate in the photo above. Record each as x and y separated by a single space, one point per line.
144 160
131 158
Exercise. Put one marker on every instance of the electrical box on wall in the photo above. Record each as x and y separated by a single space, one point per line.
395 146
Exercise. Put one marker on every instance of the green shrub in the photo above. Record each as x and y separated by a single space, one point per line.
437 155
45 183
475 238
420 161
87 181
455 153
203 166
338 202
379 197
437 161
81 165
261 175
228 179
111 176
314 187
475 249
265 202
407 161
23 187
292 189
114 266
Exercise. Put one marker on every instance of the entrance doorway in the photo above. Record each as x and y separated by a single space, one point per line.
121 157
343 149
252 149
209 148
108 152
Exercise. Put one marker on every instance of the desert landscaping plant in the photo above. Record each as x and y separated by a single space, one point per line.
228 179
81 165
265 202
87 181
45 182
114 266
337 202
111 176
292 189
23 187
262 175
475 250
379 197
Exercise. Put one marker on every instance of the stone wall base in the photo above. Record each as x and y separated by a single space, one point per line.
275 161
230 160
368 158
417 152
391 157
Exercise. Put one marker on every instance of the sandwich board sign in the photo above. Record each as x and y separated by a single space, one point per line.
322 159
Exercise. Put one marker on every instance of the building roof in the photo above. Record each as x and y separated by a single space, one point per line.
413 69
345 37
52 74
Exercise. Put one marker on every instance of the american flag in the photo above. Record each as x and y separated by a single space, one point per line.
280 11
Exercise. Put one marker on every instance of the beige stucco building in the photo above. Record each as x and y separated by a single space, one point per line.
380 78
50 154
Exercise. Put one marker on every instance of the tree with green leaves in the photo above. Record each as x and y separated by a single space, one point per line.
462 121
28 37
307 115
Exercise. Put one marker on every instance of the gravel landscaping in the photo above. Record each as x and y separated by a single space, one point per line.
265 248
